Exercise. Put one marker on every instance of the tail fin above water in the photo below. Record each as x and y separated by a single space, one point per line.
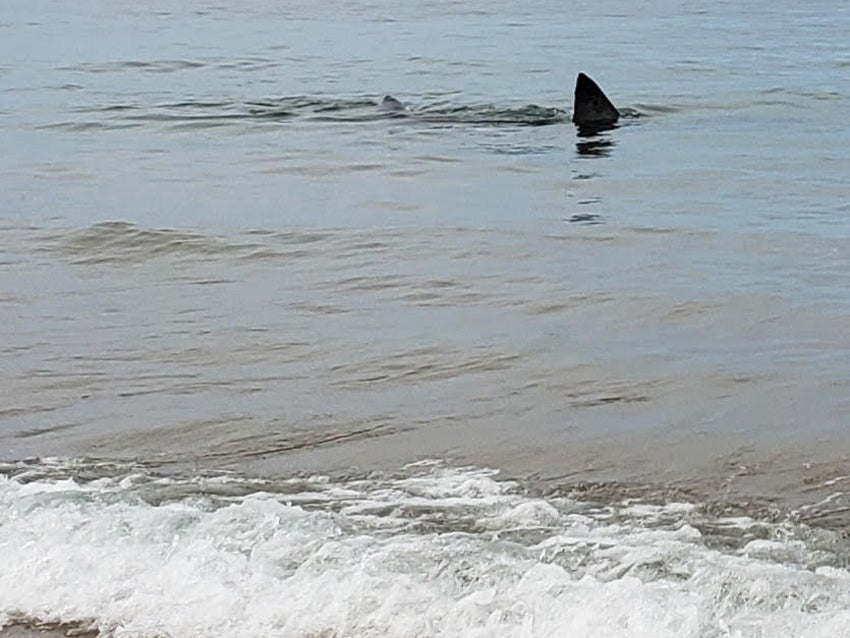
390 104
592 108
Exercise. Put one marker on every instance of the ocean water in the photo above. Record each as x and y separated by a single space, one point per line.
275 362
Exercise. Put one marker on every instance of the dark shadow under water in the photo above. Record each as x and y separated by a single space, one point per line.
595 147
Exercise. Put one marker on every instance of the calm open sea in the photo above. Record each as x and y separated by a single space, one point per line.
278 363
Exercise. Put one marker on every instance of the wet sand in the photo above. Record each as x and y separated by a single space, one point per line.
50 630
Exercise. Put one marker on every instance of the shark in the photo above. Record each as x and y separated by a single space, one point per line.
592 110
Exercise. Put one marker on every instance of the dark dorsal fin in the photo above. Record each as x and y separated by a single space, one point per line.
592 107
389 103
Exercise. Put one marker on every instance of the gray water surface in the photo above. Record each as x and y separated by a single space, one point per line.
217 252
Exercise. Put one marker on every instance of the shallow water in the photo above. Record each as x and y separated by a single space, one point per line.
233 289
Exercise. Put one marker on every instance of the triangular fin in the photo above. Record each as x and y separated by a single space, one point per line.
592 108
389 103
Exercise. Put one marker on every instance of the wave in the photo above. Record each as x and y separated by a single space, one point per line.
117 241
430 550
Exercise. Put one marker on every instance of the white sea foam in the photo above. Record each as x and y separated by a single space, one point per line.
434 552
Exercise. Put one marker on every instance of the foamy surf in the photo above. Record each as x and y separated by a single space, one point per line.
431 551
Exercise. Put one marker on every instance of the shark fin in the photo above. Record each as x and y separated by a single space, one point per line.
592 108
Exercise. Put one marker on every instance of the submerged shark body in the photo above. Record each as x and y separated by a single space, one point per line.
592 109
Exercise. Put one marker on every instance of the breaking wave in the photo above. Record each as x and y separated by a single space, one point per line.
429 551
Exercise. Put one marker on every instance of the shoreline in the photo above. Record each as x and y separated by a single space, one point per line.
18 629
803 478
